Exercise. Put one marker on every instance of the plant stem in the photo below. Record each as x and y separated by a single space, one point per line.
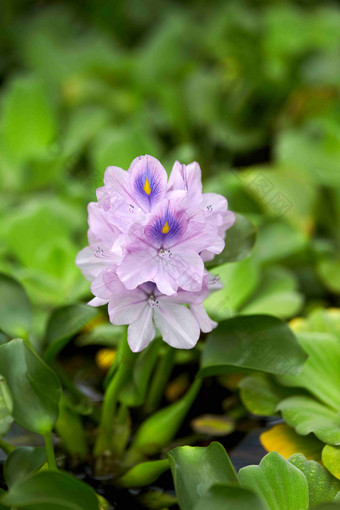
6 447
117 382
50 452
160 379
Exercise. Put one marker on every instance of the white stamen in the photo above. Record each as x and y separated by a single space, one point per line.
165 254
153 302
100 253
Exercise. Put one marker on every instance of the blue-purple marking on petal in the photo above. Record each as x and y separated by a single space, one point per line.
175 223
154 184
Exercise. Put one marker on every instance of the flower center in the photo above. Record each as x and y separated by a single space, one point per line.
164 254
153 302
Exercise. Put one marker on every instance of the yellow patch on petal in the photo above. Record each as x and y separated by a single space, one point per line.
284 440
146 187
165 228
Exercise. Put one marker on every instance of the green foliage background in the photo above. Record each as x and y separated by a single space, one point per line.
250 89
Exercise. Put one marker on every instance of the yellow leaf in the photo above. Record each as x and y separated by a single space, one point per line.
285 441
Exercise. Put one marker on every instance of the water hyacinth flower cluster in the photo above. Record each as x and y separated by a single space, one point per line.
149 237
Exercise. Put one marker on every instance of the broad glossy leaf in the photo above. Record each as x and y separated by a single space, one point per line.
280 484
308 415
320 374
6 408
253 342
223 497
284 440
23 463
314 147
240 239
329 272
261 394
34 387
28 119
322 487
65 322
15 309
52 490
195 470
240 280
276 295
283 192
326 321
278 241
331 460
121 146
49 220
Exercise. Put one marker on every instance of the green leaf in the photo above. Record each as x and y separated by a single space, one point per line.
331 460
134 393
329 272
276 295
2 507
278 241
283 192
121 146
322 487
34 387
328 506
23 463
71 430
239 279
195 470
320 374
223 497
145 473
280 484
308 415
64 323
323 321
313 147
28 121
161 427
52 490
6 408
15 310
240 240
213 425
261 395
254 342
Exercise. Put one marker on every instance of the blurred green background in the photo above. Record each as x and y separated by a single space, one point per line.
249 89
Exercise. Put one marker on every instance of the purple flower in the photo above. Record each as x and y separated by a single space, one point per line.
148 240
167 250
215 207
146 307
